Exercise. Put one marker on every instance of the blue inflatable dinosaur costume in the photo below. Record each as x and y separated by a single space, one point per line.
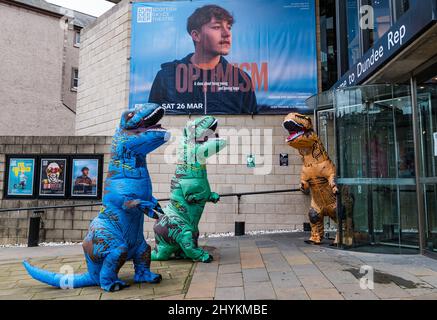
116 234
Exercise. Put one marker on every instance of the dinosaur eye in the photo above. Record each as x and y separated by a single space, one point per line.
130 115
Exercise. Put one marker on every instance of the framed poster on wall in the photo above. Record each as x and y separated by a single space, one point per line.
20 178
58 176
86 177
52 177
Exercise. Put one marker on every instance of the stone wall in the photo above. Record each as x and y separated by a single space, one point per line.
104 72
103 94
262 136
261 212
60 224
31 54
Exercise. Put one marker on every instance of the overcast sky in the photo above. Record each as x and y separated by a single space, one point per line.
92 7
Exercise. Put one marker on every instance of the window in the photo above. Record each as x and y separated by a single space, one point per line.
353 32
358 40
77 38
402 6
328 43
74 79
382 19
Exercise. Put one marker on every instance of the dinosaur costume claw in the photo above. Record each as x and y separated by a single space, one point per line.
176 232
116 234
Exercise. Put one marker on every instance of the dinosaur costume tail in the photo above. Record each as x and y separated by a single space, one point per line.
55 279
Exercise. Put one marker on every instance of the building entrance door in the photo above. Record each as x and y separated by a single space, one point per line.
376 168
427 105
326 132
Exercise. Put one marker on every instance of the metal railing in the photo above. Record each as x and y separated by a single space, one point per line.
238 195
35 220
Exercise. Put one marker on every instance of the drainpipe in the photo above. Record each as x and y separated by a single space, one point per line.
417 160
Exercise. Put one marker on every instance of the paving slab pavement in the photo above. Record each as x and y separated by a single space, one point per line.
282 266
16 284
263 267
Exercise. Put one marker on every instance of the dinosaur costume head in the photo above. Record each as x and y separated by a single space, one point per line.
143 122
201 140
301 131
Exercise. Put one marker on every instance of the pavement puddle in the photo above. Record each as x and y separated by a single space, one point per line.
386 278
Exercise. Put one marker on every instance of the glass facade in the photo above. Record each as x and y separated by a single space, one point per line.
402 6
328 44
375 162
382 19
368 131
427 105
353 32
382 137
356 35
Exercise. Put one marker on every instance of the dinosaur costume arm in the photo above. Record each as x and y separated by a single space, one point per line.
147 207
331 174
214 197
304 185
195 190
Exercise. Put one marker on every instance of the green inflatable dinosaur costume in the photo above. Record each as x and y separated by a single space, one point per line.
176 231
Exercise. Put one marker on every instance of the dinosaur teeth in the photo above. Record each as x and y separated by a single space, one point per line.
214 125
295 135
292 126
152 114
152 119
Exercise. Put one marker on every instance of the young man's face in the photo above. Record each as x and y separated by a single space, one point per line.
85 172
214 38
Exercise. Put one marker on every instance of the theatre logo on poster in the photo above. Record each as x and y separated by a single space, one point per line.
150 14
270 65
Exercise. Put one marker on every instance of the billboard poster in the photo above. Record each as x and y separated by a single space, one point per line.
52 177
85 177
21 177
224 57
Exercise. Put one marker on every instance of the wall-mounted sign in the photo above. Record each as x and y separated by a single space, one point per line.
21 176
85 177
265 62
251 161
283 160
52 177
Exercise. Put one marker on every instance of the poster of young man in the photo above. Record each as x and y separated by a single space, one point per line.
21 177
85 177
224 57
52 177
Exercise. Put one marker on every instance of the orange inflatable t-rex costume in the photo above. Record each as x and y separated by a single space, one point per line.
318 173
